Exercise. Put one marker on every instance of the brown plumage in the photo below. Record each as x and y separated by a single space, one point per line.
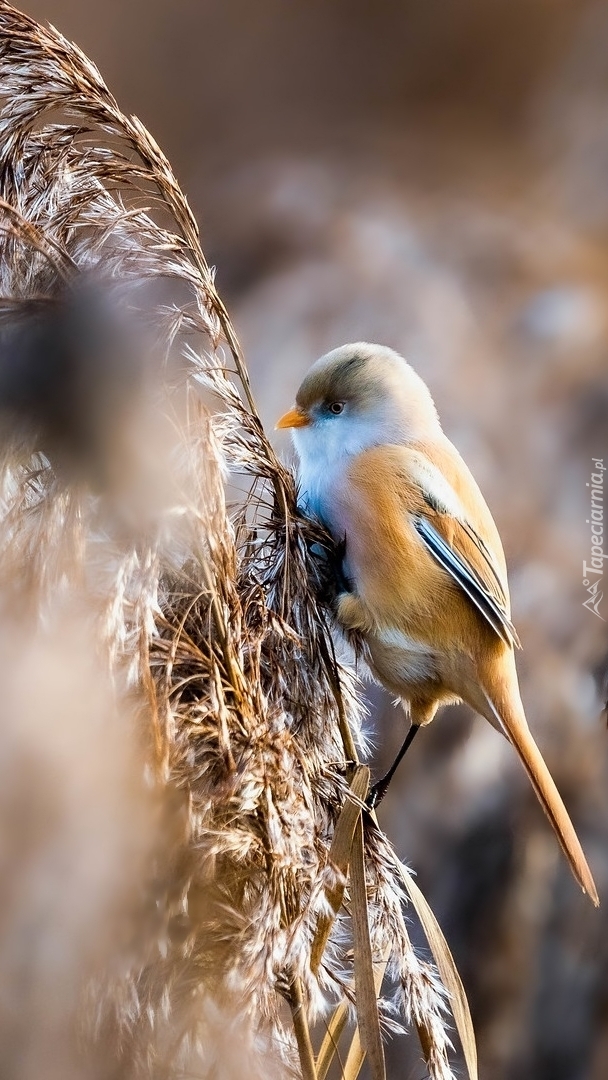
428 585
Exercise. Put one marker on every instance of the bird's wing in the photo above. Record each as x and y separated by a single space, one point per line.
446 529
482 592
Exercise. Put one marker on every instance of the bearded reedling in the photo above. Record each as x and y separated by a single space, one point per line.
426 571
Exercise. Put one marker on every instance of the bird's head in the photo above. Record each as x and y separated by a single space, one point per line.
355 397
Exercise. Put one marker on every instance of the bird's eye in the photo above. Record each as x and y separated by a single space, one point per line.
336 407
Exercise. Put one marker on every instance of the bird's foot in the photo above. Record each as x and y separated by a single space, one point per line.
351 613
376 794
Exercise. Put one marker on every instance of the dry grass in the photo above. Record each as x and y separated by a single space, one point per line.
244 887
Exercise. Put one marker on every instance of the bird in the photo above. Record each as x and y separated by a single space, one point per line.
423 577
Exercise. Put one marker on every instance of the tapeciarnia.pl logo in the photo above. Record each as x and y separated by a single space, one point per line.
593 571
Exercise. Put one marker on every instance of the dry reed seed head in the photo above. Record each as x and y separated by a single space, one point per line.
219 629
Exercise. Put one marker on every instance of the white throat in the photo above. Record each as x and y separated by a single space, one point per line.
322 463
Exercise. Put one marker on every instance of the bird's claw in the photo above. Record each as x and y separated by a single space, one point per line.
375 795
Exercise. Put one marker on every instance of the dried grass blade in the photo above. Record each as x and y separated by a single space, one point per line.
339 855
302 1033
355 1059
356 1053
329 1046
448 972
367 1003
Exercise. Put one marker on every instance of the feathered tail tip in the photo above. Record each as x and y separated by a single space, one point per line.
253 875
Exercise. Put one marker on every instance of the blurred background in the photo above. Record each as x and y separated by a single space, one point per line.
433 176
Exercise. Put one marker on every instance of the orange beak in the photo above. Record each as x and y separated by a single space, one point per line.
294 418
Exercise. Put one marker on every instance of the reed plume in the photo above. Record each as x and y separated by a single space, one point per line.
260 903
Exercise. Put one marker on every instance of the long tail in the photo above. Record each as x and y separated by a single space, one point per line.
511 719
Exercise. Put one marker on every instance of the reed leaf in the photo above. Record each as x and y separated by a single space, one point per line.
329 1046
340 856
368 1021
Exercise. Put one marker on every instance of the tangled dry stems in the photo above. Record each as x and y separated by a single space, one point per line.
212 629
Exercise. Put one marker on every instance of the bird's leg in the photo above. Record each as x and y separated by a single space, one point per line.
380 788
